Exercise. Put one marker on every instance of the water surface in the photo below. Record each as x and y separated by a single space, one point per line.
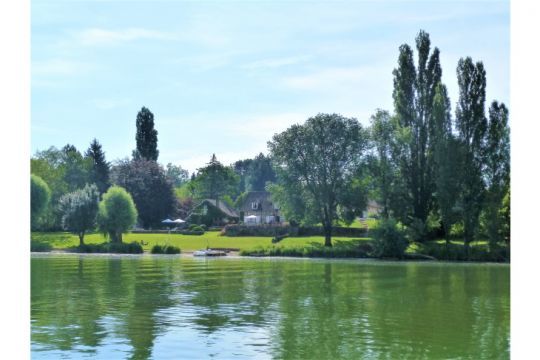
171 307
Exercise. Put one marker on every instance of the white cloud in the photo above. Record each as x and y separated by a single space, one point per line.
110 103
56 67
328 78
97 36
276 62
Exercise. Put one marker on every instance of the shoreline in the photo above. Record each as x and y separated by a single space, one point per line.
236 256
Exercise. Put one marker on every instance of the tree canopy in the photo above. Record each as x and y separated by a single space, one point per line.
117 213
316 164
99 173
146 136
150 187
40 195
79 210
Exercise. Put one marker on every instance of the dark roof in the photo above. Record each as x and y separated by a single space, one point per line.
262 197
222 206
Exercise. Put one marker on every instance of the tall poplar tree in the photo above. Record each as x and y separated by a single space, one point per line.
99 174
471 125
447 158
146 136
414 90
496 171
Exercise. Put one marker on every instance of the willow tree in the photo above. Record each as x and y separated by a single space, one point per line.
79 210
317 163
116 213
413 94
471 125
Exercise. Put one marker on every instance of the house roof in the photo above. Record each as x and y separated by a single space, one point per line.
222 206
262 197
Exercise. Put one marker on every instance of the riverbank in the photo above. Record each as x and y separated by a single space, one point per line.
303 247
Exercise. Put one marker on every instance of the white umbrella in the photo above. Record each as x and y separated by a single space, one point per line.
178 221
251 217
167 221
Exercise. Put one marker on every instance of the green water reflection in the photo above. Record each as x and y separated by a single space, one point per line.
164 307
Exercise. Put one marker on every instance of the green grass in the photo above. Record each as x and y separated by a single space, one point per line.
61 240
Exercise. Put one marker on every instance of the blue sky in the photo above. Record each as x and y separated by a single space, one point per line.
223 77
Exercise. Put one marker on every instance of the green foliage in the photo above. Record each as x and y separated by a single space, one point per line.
382 163
316 164
99 173
351 249
195 227
79 210
176 174
448 155
496 172
166 249
414 91
152 192
146 137
64 171
117 248
40 195
388 240
471 125
117 213
214 180
40 246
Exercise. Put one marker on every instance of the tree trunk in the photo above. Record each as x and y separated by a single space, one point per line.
81 238
120 238
327 226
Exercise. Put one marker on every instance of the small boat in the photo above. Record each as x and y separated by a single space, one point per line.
209 252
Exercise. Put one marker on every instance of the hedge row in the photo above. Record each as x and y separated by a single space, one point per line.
181 232
288 230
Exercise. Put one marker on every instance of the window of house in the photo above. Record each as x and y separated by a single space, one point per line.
254 205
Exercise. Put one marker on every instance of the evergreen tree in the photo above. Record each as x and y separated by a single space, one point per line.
146 136
471 125
414 90
99 174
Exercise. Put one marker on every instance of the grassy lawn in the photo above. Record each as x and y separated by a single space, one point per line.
62 240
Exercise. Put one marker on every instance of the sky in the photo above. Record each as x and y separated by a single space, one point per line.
224 76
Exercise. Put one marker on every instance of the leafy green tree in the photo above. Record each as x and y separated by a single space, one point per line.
414 90
146 136
40 195
471 125
76 168
79 210
176 174
215 180
99 173
382 163
150 187
117 213
447 152
259 173
389 240
64 170
496 170
318 161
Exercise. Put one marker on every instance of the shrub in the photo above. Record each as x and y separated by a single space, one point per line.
167 249
196 228
350 250
203 227
389 240
110 247
38 246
